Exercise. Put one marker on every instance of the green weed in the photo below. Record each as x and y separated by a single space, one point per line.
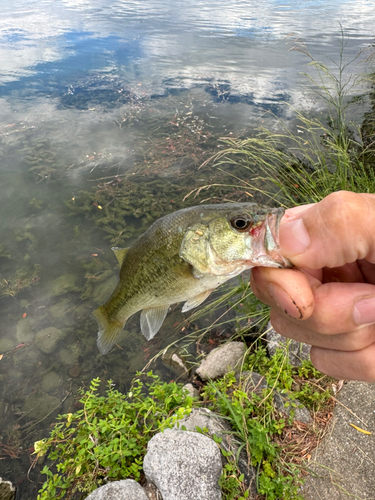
107 438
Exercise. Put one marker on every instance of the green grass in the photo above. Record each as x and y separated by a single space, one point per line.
317 157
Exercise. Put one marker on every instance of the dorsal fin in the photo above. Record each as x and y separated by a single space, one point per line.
120 254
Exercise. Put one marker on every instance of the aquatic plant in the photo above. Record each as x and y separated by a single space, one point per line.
19 280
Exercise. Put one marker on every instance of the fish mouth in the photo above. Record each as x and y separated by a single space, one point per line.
266 246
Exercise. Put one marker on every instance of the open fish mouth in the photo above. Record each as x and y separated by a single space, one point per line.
265 243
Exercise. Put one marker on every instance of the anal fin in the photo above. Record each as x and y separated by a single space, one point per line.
151 320
196 301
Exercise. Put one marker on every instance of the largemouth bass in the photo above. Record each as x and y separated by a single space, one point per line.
184 256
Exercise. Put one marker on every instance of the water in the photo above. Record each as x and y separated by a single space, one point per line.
111 98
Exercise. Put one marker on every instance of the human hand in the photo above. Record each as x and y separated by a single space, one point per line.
328 300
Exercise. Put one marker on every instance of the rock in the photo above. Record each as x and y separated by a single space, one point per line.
194 393
63 284
301 413
104 289
67 356
25 330
74 371
222 360
252 382
6 345
7 490
218 426
47 339
127 489
184 465
59 309
174 361
51 381
40 404
297 351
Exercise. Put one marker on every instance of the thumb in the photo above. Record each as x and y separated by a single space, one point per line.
336 231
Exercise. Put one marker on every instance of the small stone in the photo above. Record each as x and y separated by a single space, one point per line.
301 413
172 360
39 405
103 290
67 356
222 360
127 489
63 284
59 309
252 382
193 391
184 465
25 330
51 381
297 351
46 340
6 345
74 371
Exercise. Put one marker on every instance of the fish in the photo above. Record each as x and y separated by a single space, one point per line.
183 257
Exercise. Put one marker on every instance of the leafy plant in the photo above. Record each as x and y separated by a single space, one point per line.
107 438
258 426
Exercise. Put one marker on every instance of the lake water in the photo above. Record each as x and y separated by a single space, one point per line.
109 100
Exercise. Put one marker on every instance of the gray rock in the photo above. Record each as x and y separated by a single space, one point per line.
47 339
51 381
184 465
6 345
252 382
297 351
104 289
63 284
39 405
301 413
194 393
7 490
218 426
59 309
119 490
25 330
173 360
222 360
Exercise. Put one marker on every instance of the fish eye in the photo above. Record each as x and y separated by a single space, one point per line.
241 222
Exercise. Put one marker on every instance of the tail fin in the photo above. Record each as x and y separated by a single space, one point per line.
109 330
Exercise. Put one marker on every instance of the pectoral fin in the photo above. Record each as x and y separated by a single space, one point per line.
151 320
120 254
196 301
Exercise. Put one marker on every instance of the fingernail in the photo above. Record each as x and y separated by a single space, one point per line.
364 311
284 301
294 238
